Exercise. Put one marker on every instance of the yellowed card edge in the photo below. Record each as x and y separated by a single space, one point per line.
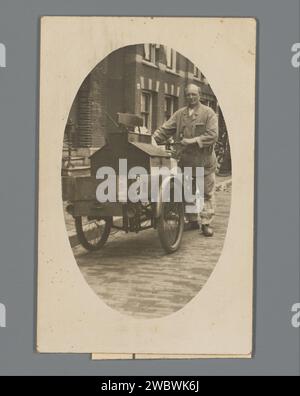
141 356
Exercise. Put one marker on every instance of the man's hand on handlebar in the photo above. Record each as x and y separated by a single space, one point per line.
186 142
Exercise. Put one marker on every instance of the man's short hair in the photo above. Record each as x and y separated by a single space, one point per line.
194 85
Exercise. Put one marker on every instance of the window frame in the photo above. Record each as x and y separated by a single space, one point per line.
150 112
174 105
152 53
197 73
173 59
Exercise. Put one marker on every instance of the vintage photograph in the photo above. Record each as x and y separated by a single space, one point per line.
146 176
149 105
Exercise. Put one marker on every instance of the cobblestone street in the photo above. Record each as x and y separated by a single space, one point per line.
133 275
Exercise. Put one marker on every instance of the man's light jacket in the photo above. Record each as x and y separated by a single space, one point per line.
201 124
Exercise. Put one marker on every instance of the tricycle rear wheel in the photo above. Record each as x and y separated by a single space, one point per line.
92 232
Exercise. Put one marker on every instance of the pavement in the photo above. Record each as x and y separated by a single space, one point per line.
134 275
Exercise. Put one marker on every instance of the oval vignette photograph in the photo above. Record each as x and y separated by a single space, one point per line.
146 180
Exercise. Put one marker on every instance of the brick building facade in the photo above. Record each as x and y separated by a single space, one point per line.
144 79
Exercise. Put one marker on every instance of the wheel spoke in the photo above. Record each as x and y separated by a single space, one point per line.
93 229
172 222
92 232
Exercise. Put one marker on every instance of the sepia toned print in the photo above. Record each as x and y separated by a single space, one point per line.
120 272
129 144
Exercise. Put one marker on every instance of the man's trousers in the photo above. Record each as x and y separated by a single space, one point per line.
208 211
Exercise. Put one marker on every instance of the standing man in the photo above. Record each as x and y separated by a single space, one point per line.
196 127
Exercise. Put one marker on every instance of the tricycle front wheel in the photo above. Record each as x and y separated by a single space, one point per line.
170 225
92 232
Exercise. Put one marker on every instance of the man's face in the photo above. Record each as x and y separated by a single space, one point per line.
192 95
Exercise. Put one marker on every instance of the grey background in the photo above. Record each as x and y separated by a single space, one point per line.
277 187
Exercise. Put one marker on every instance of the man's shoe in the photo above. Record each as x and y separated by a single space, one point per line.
207 230
191 225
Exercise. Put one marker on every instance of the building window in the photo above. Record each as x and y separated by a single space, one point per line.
146 109
197 73
171 58
171 105
210 103
150 53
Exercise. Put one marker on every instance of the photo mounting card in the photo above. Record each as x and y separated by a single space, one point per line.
132 108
